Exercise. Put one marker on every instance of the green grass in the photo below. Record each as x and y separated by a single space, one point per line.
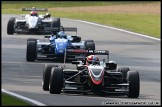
142 23
7 100
148 24
49 4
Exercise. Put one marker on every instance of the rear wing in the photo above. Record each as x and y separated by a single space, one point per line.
98 52
89 52
69 29
85 52
72 29
35 9
57 29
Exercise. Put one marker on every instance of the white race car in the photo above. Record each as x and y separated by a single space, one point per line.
33 23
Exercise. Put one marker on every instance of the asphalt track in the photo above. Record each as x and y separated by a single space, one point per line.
138 53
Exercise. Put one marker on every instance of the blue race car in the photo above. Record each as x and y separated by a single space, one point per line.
57 45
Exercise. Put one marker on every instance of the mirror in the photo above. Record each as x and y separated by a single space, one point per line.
75 62
47 15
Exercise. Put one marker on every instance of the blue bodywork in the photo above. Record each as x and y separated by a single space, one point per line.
61 45
58 45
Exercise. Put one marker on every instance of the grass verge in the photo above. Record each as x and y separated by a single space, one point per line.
144 23
8 100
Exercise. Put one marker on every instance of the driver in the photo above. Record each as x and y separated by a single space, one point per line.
34 13
61 34
92 59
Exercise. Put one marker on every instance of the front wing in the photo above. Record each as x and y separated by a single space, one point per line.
45 30
117 89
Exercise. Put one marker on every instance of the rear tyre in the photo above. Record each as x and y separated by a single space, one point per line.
76 39
124 71
56 80
31 53
56 24
10 26
46 76
134 84
89 44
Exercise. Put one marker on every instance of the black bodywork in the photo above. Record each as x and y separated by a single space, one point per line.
103 79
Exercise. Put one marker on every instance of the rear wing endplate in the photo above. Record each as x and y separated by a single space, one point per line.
34 9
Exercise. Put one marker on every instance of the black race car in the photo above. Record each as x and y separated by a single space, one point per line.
99 77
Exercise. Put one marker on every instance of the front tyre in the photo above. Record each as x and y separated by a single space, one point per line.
46 76
31 51
10 26
134 84
56 80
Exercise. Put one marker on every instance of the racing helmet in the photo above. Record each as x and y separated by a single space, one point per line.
92 59
61 34
34 13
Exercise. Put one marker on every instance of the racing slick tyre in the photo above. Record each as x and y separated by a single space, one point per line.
56 80
76 39
46 76
89 44
124 71
10 26
134 84
56 23
31 53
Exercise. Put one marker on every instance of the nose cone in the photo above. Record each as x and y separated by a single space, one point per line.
61 48
96 74
33 22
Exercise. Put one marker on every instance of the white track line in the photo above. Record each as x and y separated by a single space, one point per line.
24 98
116 29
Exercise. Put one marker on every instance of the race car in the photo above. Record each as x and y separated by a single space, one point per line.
33 23
54 49
95 75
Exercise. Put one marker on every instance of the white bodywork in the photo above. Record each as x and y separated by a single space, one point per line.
32 22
